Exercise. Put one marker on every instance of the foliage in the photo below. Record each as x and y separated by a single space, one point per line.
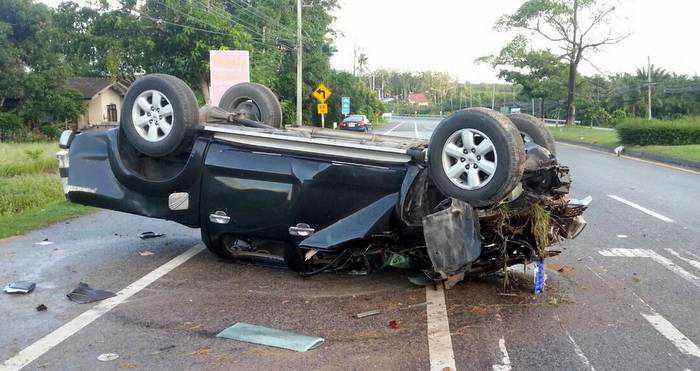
363 100
659 132
33 74
577 27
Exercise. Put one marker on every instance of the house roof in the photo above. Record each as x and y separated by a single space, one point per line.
417 98
90 86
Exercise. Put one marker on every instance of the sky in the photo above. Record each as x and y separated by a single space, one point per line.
448 35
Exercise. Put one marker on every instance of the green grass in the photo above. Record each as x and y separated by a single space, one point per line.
27 158
30 189
610 139
586 135
21 223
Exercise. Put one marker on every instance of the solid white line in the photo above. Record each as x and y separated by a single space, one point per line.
43 345
392 129
692 262
670 332
415 129
505 361
642 209
655 163
646 253
439 338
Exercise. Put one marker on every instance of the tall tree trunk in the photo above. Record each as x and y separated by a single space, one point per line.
571 94
204 85
542 113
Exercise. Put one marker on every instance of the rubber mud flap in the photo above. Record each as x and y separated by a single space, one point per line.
452 240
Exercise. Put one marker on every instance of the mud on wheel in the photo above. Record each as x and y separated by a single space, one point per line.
158 114
477 156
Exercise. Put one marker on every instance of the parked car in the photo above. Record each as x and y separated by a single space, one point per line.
473 199
356 123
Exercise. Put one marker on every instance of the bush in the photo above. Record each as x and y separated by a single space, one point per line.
658 132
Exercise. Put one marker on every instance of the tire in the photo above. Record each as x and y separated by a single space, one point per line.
259 102
216 246
499 162
534 129
149 135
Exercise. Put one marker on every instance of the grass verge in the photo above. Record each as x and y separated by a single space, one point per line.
27 158
28 220
609 139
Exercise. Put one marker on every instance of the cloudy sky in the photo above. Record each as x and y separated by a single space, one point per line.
448 35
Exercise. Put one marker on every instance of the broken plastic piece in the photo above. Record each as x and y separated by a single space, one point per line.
399 261
41 307
20 287
582 202
84 294
270 337
368 313
539 277
149 235
107 357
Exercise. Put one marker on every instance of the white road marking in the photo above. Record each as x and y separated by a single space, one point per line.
392 129
670 332
505 361
439 338
642 209
655 163
694 263
579 352
415 129
664 327
646 253
43 345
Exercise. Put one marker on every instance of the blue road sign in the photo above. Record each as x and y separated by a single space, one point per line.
346 105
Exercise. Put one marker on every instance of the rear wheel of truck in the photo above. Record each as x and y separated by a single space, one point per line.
158 115
533 130
257 101
477 156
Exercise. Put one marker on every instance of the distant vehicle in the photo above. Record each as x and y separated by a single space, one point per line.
356 123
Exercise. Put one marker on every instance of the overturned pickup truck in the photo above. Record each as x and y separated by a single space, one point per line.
486 192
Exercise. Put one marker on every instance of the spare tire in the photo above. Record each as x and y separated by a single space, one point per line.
477 156
534 130
257 101
158 115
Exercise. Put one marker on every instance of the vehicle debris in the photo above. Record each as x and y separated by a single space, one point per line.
44 242
84 294
150 234
107 357
41 308
394 324
539 277
20 287
271 337
368 313
146 253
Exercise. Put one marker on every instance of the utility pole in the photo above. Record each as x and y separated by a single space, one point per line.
470 96
649 88
300 53
493 97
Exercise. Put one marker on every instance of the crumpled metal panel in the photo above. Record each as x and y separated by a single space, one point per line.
356 226
452 240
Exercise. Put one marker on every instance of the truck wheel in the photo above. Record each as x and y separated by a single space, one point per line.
158 114
477 156
257 101
534 130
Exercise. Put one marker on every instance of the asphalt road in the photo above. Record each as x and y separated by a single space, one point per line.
617 298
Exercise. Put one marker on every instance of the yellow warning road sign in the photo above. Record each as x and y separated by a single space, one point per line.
322 109
322 93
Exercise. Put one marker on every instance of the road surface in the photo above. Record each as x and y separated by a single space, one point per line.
624 295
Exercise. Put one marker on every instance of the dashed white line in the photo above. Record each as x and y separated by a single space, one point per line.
642 209
392 129
505 360
579 352
646 253
692 262
43 345
670 332
439 339
415 129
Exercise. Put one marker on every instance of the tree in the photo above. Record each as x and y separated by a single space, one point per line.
33 74
541 74
577 27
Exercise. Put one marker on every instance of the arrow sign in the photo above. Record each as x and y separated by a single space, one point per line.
322 93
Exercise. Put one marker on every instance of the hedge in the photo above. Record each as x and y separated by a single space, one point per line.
642 132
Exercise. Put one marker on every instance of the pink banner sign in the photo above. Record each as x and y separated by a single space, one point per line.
227 68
